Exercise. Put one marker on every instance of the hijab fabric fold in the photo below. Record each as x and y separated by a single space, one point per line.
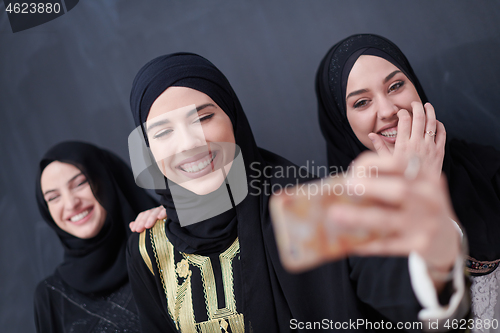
471 170
97 265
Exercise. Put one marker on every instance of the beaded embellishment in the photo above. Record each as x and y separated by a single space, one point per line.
477 267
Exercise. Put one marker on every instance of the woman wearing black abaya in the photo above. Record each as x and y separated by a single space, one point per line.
213 265
88 196
370 98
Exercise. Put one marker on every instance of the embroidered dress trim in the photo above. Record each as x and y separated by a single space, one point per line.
176 281
144 252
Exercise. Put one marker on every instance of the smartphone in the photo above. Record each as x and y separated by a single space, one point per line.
304 236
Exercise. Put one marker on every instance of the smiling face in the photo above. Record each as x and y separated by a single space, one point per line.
191 138
376 90
70 200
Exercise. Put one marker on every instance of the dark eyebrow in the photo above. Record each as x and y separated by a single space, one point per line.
357 92
69 181
390 76
189 114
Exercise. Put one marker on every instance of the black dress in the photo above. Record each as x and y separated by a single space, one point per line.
61 308
89 291
174 270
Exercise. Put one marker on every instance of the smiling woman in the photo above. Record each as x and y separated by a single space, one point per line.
190 142
71 202
88 196
369 98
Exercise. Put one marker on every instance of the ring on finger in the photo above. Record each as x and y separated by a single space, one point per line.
430 133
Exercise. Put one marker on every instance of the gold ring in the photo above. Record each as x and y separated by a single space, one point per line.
430 133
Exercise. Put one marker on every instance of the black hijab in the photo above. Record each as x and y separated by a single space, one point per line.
192 71
97 265
471 169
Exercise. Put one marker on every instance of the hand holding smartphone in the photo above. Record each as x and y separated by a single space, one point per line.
304 236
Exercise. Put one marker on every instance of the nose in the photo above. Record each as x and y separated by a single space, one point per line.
190 137
71 201
386 108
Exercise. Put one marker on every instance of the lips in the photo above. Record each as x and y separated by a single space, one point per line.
199 165
390 133
81 217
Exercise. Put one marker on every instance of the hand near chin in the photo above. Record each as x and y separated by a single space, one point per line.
419 134
147 219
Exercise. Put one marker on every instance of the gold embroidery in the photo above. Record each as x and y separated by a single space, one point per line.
183 268
179 297
144 252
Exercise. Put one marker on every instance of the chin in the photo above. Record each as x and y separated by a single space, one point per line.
205 185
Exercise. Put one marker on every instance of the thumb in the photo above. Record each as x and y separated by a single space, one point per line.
379 145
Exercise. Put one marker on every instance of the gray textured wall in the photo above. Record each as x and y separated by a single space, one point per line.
70 79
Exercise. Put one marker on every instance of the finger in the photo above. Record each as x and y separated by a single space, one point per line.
376 220
386 246
162 214
404 126
379 145
131 225
431 122
440 135
418 121
387 190
369 162
152 217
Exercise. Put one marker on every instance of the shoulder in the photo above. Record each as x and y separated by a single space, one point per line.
140 248
48 291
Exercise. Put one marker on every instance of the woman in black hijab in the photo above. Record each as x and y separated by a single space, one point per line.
88 196
472 170
223 273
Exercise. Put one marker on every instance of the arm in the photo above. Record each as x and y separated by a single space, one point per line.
410 214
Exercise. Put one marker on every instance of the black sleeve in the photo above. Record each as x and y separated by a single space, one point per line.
147 289
384 286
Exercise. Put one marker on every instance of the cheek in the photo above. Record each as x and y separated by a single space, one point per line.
56 212
161 150
362 123
221 131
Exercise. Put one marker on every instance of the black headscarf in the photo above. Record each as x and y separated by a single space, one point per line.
98 264
471 169
192 71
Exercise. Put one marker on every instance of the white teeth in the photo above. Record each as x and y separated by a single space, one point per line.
189 167
80 216
390 134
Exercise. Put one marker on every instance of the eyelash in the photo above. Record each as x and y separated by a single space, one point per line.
83 182
165 132
79 184
397 85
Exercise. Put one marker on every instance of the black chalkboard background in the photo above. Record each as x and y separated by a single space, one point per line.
70 79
